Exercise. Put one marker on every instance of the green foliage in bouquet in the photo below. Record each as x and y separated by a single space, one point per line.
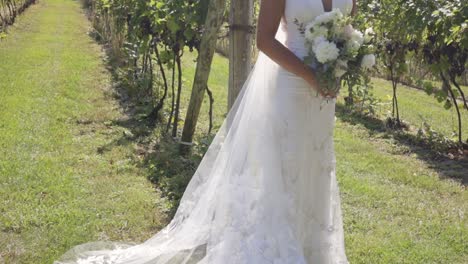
337 51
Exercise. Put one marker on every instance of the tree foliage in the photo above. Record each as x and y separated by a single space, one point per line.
435 32
9 10
145 32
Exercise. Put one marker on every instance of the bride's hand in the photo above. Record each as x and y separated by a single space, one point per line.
323 93
312 81
331 94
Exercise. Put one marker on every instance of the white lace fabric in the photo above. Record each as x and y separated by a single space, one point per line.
266 189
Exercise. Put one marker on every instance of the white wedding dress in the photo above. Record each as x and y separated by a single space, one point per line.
265 191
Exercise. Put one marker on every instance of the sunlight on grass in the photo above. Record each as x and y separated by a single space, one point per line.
56 190
71 173
416 106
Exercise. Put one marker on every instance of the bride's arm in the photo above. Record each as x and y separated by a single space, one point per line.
269 18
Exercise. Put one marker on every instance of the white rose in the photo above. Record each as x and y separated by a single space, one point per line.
369 31
319 39
323 18
352 46
368 61
319 31
318 19
357 36
341 68
368 35
325 50
331 16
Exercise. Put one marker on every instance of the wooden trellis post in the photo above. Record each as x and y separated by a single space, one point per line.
240 46
213 22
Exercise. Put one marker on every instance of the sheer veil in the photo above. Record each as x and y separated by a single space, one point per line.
235 200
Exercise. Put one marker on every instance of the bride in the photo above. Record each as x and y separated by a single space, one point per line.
266 189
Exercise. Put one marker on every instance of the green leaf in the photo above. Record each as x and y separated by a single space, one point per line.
441 95
428 87
165 56
172 25
189 34
448 104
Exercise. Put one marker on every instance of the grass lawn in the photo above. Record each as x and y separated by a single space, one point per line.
67 173
416 106
71 168
397 209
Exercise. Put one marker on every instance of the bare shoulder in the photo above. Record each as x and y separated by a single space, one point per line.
271 11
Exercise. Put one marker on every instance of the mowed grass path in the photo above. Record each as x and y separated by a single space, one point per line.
67 174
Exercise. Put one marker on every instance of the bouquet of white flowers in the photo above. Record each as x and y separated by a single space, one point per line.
335 48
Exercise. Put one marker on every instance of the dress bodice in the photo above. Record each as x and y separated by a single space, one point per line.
305 11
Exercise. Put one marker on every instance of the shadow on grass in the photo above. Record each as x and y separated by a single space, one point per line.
447 167
156 152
